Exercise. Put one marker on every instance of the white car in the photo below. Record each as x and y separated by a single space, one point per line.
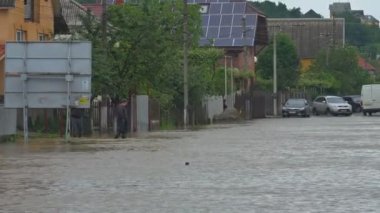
333 105
370 98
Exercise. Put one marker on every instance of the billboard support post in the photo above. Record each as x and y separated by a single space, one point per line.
68 79
25 106
24 78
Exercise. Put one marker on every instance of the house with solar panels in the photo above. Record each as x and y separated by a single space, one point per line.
235 26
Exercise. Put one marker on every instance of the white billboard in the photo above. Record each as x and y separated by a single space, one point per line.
47 74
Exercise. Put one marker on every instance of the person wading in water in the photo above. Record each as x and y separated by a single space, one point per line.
122 118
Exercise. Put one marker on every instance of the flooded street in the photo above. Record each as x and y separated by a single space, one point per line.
317 164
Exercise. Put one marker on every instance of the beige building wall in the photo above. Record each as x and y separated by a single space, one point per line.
13 19
39 27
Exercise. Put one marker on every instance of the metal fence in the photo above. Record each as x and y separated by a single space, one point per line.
259 104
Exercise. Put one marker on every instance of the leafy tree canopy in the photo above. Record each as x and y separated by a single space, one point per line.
287 62
143 53
280 10
336 71
365 37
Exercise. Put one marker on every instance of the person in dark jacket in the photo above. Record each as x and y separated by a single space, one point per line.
122 119
76 122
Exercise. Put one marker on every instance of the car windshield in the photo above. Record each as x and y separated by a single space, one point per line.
356 98
295 102
335 100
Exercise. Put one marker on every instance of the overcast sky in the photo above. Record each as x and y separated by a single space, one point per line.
370 7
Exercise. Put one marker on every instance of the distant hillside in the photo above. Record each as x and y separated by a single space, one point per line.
280 10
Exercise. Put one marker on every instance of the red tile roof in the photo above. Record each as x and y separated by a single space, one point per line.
119 2
96 9
365 65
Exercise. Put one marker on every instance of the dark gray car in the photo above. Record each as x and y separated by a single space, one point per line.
296 107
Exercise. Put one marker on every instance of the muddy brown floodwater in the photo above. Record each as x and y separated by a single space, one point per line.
317 164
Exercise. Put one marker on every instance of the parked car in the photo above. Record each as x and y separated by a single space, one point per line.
355 101
370 98
296 107
333 105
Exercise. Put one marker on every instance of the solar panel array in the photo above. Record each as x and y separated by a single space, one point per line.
222 23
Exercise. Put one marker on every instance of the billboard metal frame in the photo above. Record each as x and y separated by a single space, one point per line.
49 73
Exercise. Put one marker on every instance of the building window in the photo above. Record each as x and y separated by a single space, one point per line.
20 35
5 4
42 37
29 10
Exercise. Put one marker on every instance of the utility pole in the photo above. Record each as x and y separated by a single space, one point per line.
225 77
104 24
274 73
275 27
185 63
327 40
333 31
245 43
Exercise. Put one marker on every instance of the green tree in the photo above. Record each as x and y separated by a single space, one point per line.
203 73
143 48
338 72
365 37
102 79
280 10
287 63
143 53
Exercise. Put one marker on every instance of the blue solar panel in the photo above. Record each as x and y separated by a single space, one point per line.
237 32
250 20
214 20
242 42
239 7
226 20
205 19
227 8
224 32
224 42
238 20
250 32
215 8
212 32
222 24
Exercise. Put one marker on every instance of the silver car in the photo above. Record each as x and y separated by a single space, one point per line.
333 105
